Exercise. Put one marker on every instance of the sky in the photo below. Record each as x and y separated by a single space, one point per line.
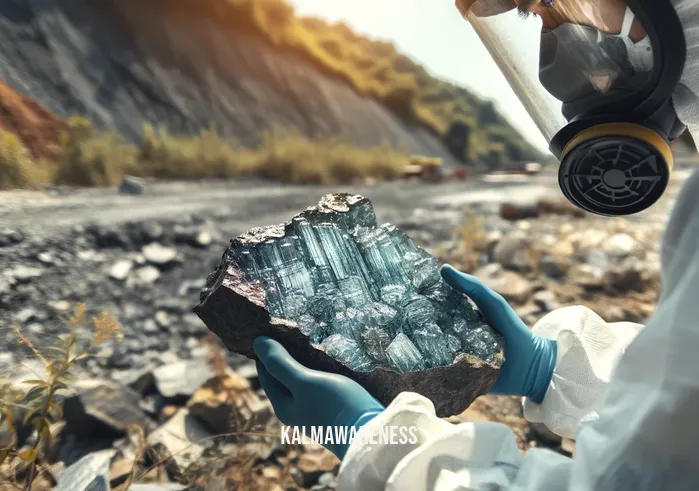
433 33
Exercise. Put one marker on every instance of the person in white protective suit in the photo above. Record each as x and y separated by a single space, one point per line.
616 81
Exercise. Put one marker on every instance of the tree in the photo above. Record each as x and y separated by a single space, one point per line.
458 139
488 114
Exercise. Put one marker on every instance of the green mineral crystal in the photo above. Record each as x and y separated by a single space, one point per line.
363 293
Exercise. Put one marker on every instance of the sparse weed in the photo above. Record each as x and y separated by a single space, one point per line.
34 402
285 155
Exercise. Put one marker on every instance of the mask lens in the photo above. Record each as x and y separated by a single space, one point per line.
578 62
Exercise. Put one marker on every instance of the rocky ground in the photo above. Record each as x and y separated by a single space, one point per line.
144 258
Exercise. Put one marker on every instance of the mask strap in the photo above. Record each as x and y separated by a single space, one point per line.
629 17
640 53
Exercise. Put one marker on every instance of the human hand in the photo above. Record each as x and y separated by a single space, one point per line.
304 397
529 359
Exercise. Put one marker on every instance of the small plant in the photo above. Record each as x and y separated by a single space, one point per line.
37 405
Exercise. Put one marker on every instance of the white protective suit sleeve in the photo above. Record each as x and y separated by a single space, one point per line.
630 395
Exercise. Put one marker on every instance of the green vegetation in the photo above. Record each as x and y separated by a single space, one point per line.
286 157
17 169
88 158
378 70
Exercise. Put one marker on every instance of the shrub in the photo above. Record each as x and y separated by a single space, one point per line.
292 158
206 155
495 156
313 23
89 160
284 155
16 165
379 49
346 32
383 74
488 114
458 139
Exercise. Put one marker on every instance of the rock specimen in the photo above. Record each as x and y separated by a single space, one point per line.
346 296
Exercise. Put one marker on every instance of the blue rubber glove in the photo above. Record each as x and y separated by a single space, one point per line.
303 397
529 359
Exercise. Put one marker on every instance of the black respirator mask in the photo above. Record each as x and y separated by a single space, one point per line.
603 102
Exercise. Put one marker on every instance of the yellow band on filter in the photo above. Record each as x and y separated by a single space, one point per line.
623 129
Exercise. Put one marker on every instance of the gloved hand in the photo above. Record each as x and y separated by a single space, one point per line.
529 359
303 397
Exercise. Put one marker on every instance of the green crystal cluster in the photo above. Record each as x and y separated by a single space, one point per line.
363 293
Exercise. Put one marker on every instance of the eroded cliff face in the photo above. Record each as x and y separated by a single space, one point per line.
129 62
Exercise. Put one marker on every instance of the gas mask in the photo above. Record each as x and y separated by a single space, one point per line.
603 101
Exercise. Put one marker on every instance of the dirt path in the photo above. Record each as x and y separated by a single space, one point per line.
250 200
256 202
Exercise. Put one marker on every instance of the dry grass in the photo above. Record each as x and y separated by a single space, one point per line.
292 158
90 159
206 155
17 168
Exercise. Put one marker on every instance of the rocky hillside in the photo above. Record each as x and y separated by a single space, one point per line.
242 66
